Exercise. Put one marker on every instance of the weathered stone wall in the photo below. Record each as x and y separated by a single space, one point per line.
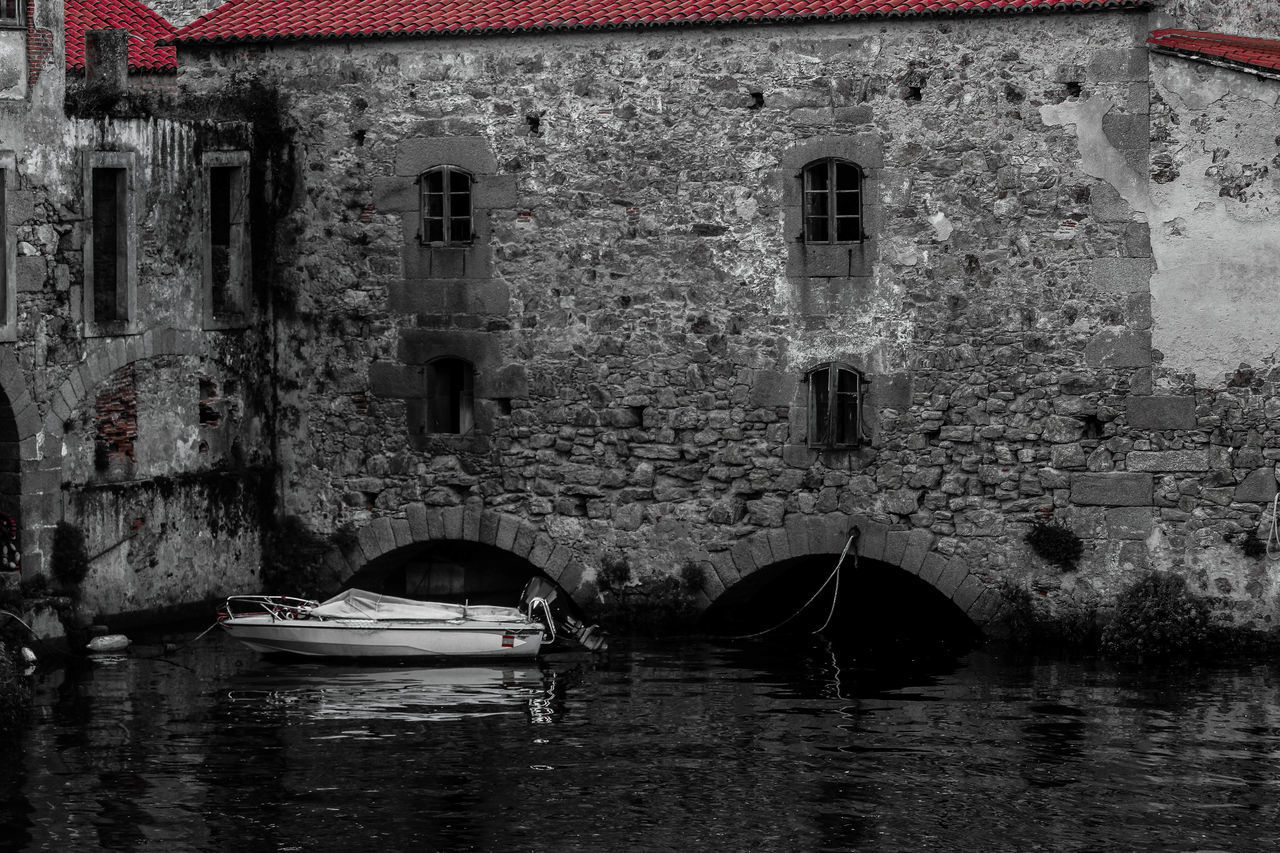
642 335
1257 18
147 424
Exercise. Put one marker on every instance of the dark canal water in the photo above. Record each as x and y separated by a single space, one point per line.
691 746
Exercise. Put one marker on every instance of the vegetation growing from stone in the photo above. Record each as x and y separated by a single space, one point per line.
1055 542
1158 617
69 561
293 560
650 604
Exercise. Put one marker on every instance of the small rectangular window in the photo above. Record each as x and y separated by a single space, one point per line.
446 206
227 262
835 407
110 249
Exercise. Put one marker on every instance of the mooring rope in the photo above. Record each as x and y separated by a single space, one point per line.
1273 535
835 574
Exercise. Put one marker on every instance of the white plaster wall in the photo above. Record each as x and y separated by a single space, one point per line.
1214 293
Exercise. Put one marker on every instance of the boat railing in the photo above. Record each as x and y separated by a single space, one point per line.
275 606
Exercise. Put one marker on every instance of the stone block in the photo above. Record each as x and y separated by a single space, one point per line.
387 379
1127 130
933 567
797 528
31 273
1162 412
397 194
1258 486
970 589
1107 205
435 524
725 568
1118 349
771 388
919 544
780 545
956 433
524 541
1122 275
493 192
743 558
401 533
416 514
871 541
1118 488
895 545
1168 460
472 510
957 569
1118 65
415 156
1129 522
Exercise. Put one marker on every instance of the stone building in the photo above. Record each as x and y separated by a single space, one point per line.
659 289
654 298
134 429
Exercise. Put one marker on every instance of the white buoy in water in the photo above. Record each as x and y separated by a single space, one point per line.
108 643
28 656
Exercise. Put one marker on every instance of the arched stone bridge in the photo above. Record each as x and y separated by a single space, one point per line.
801 536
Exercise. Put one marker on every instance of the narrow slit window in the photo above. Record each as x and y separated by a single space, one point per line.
832 202
835 406
228 239
446 206
110 248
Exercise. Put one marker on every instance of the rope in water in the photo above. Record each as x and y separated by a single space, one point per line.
835 575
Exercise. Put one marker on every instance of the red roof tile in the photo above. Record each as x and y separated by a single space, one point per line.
259 20
1219 48
145 26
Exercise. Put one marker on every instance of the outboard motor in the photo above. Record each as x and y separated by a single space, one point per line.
565 619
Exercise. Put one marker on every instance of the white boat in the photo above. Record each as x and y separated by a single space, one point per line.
360 624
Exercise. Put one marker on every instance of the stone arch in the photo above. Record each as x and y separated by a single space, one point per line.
910 550
469 523
23 480
40 442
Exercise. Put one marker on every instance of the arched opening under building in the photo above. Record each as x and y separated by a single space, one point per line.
878 608
10 464
447 570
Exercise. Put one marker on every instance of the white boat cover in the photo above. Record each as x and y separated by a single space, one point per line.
361 604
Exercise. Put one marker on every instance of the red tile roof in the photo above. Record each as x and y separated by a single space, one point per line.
144 25
260 20
1219 48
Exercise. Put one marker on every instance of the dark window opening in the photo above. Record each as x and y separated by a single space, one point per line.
4 248
226 238
832 202
12 13
110 250
446 206
450 397
835 406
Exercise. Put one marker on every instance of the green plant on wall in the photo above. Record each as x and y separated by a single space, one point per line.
1157 616
69 562
1055 542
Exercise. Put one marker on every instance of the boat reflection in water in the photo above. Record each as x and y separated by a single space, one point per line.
320 693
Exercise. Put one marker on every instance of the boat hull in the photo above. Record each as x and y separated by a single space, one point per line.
374 640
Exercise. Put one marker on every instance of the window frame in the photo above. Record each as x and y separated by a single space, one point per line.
831 169
835 429
461 401
18 20
236 310
126 322
448 216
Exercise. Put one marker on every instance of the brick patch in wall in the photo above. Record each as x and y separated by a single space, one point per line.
116 420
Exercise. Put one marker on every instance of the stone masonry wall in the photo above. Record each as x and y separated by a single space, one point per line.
641 337
110 428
